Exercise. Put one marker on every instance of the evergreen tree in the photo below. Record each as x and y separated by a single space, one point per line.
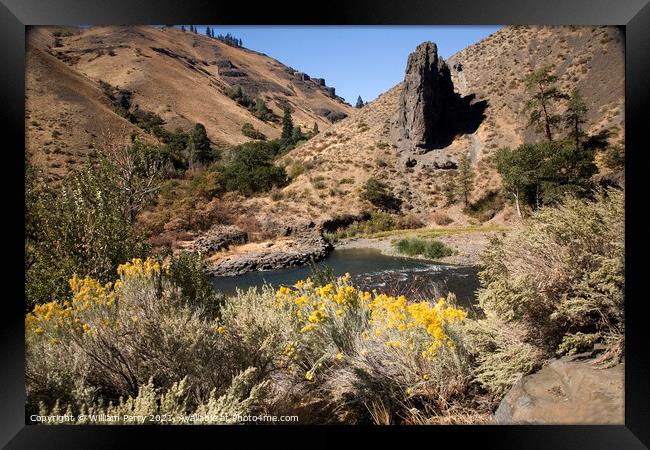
207 31
465 179
287 125
296 134
201 147
575 116
541 84
543 173
359 102
183 28
314 130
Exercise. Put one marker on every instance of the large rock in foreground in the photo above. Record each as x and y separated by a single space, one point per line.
426 96
566 391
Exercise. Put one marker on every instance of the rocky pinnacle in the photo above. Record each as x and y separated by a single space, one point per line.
427 94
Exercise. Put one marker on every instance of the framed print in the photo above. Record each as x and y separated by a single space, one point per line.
270 219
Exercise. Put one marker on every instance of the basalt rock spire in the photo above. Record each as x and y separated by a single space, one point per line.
431 114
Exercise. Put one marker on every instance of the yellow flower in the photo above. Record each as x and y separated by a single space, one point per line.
86 327
325 290
283 291
309 375
317 316
220 329
339 356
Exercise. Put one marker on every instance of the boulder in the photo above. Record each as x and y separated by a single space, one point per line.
332 116
444 164
569 390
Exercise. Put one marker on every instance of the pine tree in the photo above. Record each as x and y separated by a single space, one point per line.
575 116
314 130
287 125
296 134
207 31
183 28
359 102
200 144
542 85
465 178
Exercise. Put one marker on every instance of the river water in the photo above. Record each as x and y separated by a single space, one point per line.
370 269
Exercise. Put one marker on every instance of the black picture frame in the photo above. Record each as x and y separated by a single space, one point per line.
632 15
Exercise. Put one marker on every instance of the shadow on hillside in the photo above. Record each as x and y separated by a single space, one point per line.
463 116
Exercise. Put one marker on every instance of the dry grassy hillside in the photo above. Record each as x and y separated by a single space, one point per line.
340 160
181 76
65 113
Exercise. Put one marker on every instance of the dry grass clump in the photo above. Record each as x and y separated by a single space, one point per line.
440 218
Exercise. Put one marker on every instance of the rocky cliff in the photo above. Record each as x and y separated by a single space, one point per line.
431 114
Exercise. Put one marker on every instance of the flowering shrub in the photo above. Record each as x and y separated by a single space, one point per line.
359 349
347 350
109 339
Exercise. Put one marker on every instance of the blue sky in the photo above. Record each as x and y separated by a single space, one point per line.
356 60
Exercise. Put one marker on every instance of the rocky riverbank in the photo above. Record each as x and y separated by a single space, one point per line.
298 246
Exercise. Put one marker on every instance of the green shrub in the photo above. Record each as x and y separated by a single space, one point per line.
86 228
614 157
432 249
296 169
251 169
487 206
205 184
379 195
554 285
187 272
151 407
249 131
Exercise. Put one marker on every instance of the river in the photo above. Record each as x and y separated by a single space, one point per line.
370 269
